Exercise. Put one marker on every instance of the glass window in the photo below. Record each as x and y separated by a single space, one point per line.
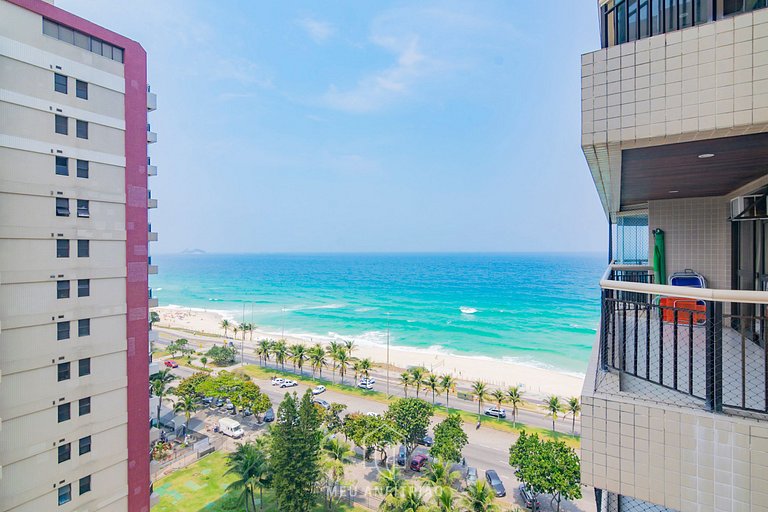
60 83
82 208
117 54
62 166
632 20
65 494
62 207
85 484
85 445
62 331
106 50
62 124
621 23
96 46
62 289
66 34
84 327
63 372
643 29
83 287
65 452
62 248
84 406
50 28
656 17
64 412
81 89
670 15
82 129
83 41
83 248
686 13
82 168
702 10
84 367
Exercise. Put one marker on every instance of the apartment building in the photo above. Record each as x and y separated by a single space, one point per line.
74 261
675 133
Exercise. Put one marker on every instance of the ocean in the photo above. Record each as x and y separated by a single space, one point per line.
534 309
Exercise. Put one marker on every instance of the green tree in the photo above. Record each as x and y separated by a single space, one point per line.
235 330
182 345
447 384
263 350
439 474
280 351
365 367
154 317
479 497
295 453
337 454
405 380
372 433
225 324
573 407
547 467
316 356
349 346
444 500
332 417
553 406
204 361
250 464
298 354
499 397
515 399
433 383
390 483
222 355
343 361
417 377
450 439
159 384
410 417
189 386
187 405
333 349
480 390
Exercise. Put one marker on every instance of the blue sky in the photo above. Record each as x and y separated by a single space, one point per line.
366 126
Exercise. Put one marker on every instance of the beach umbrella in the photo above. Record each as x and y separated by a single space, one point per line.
659 256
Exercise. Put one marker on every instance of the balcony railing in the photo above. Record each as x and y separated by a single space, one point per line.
701 344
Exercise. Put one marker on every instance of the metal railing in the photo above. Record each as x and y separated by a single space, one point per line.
704 344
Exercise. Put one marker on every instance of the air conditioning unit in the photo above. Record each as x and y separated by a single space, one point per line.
749 207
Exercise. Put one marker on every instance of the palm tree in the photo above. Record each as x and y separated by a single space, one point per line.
412 500
350 346
333 350
439 474
235 330
356 367
316 356
390 482
263 349
515 399
480 390
444 500
154 317
280 350
405 380
418 373
479 497
225 324
342 359
159 384
250 465
499 396
188 405
298 356
447 384
432 382
244 327
337 449
573 407
553 406
204 360
365 367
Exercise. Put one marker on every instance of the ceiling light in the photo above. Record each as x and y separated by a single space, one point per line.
674 191
706 155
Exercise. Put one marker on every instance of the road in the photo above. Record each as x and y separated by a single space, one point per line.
528 417
487 448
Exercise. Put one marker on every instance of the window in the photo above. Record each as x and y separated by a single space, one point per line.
65 452
62 331
84 406
62 207
81 89
64 412
62 289
84 327
117 54
82 129
66 34
62 124
82 168
82 208
60 83
85 484
62 248
96 46
84 445
50 28
65 494
83 287
84 41
62 166
84 367
63 372
83 248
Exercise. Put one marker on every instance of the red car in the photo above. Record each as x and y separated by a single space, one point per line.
171 364
419 462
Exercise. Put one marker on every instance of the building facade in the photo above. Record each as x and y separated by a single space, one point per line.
675 133
74 263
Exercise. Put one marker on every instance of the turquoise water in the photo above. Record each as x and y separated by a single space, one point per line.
537 309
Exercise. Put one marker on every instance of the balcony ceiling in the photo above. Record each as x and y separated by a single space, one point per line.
651 173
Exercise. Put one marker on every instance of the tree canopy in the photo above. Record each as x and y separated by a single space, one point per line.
450 439
411 417
222 355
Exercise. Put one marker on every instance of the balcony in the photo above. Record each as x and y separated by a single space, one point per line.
151 101
151 269
151 136
151 170
152 236
151 203
153 303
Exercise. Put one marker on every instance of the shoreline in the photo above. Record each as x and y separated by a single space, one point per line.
537 382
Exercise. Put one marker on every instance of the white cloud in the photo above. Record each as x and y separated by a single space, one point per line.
318 30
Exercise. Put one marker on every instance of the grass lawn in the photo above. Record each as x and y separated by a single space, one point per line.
260 372
202 487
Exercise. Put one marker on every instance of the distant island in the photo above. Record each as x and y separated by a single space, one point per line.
193 251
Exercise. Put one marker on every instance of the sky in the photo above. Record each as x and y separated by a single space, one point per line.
366 126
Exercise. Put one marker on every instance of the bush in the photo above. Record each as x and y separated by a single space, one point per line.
221 355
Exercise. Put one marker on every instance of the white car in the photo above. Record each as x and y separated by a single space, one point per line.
373 414
277 381
288 383
365 385
368 380
496 412
318 389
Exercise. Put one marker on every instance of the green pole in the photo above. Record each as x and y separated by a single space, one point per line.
659 257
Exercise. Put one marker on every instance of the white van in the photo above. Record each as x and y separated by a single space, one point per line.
230 427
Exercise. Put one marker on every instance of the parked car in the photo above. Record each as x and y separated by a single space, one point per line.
495 482
527 496
373 414
269 416
318 389
219 402
427 441
208 400
368 380
171 364
277 381
322 403
230 428
402 456
365 385
247 412
288 383
228 405
496 412
471 476
418 462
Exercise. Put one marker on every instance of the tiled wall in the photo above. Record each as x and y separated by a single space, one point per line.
697 235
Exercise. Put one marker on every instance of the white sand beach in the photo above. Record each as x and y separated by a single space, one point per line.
537 382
